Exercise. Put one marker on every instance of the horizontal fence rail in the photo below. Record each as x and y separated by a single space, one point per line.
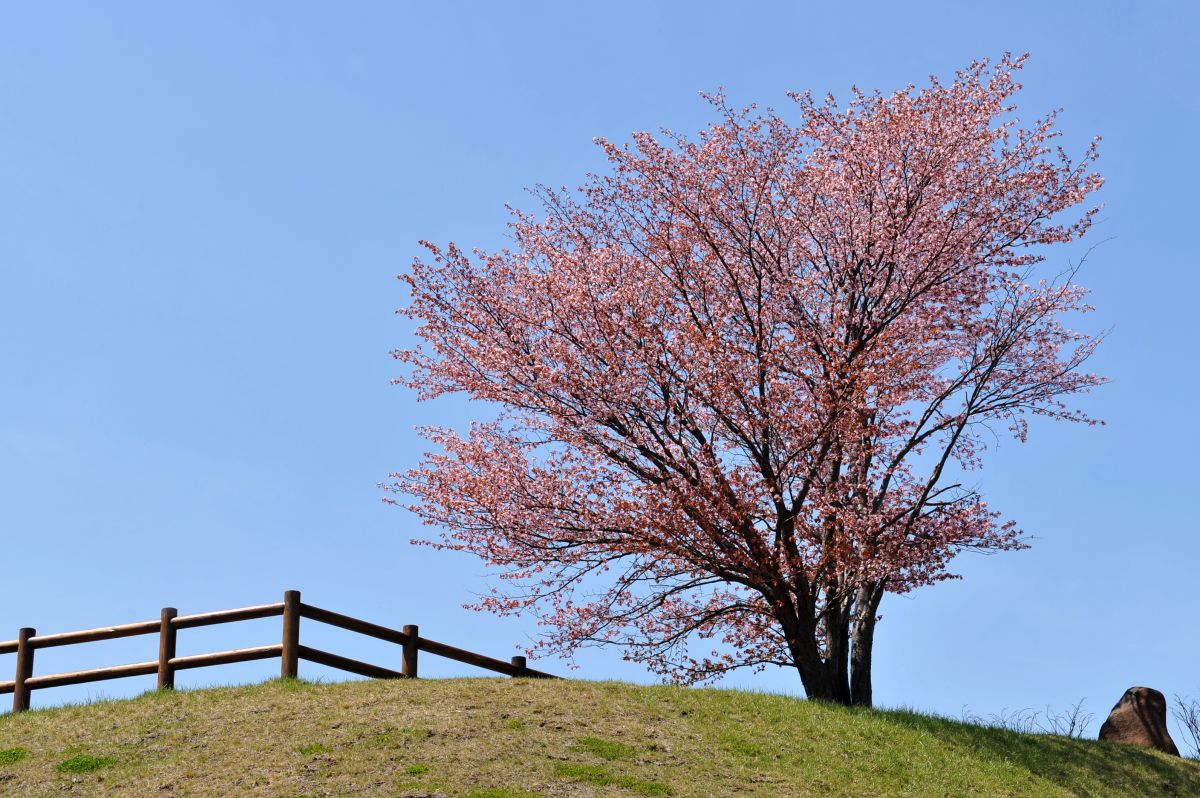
289 651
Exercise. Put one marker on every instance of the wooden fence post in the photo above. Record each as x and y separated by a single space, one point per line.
520 665
409 665
290 656
166 649
24 669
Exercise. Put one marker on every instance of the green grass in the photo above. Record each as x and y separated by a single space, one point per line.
314 749
606 749
83 764
11 756
517 738
603 777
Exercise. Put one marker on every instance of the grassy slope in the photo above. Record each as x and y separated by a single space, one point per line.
503 738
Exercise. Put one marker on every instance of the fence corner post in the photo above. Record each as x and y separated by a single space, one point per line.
290 655
408 667
24 669
519 666
166 649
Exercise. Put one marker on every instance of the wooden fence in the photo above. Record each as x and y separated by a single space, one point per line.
289 650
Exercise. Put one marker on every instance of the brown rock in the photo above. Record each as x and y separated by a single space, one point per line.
1140 718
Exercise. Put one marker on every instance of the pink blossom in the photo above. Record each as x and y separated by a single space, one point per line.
738 372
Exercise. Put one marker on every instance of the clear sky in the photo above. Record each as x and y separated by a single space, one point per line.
203 207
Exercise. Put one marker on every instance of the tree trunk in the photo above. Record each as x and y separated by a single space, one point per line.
806 656
866 611
837 645
843 675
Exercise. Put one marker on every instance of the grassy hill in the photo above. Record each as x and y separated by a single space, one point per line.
504 738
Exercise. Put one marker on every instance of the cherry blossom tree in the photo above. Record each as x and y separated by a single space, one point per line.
741 377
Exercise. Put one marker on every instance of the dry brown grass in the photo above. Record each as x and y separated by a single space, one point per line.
506 738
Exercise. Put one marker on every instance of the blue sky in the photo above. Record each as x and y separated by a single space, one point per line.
203 208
